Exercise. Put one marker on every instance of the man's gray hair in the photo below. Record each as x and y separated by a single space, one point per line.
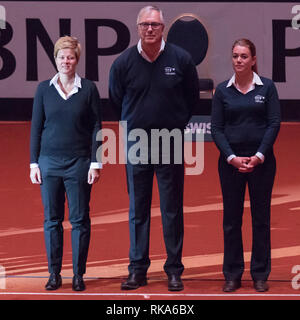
147 9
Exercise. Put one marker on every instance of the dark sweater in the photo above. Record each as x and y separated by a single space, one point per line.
244 124
65 127
161 94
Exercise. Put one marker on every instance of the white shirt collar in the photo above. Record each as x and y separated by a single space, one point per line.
256 81
77 85
77 80
141 52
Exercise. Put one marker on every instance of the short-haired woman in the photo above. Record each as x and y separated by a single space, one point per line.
65 120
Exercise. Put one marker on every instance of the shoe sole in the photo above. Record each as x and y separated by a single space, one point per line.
261 287
78 289
261 290
175 289
232 290
52 289
127 287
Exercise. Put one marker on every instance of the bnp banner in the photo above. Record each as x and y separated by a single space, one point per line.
28 31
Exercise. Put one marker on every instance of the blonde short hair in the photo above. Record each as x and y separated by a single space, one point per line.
68 42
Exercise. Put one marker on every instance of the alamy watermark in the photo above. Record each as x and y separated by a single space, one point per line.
296 18
2 277
154 146
2 17
296 278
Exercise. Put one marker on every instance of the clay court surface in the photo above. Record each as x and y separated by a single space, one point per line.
22 250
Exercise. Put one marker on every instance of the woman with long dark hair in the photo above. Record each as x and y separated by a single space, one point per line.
245 124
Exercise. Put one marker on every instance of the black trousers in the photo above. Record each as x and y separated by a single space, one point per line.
63 177
260 183
170 179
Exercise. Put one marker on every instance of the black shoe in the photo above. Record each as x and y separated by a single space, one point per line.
260 285
175 283
54 282
231 285
134 281
78 283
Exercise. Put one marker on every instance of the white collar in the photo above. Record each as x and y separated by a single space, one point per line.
141 52
77 80
256 80
77 85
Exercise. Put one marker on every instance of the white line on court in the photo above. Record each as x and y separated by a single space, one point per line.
149 295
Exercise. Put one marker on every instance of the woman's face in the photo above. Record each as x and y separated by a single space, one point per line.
66 61
242 60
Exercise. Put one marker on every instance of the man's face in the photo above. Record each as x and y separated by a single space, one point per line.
150 34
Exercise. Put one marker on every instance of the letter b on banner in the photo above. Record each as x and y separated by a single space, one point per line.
8 59
2 278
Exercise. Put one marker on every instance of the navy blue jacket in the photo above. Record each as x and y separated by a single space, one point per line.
161 94
65 127
243 124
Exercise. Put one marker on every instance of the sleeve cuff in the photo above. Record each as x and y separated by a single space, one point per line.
260 156
96 165
230 157
34 165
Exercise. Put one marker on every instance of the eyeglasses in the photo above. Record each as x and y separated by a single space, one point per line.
146 25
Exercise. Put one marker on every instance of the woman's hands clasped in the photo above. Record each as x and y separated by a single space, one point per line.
245 164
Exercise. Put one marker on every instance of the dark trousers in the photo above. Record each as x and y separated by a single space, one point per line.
170 178
64 176
260 184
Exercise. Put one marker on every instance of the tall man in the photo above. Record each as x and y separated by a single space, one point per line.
155 86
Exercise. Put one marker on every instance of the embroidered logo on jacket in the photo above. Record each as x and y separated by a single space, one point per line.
170 71
259 99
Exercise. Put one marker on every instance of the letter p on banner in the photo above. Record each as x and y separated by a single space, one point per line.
2 18
2 278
